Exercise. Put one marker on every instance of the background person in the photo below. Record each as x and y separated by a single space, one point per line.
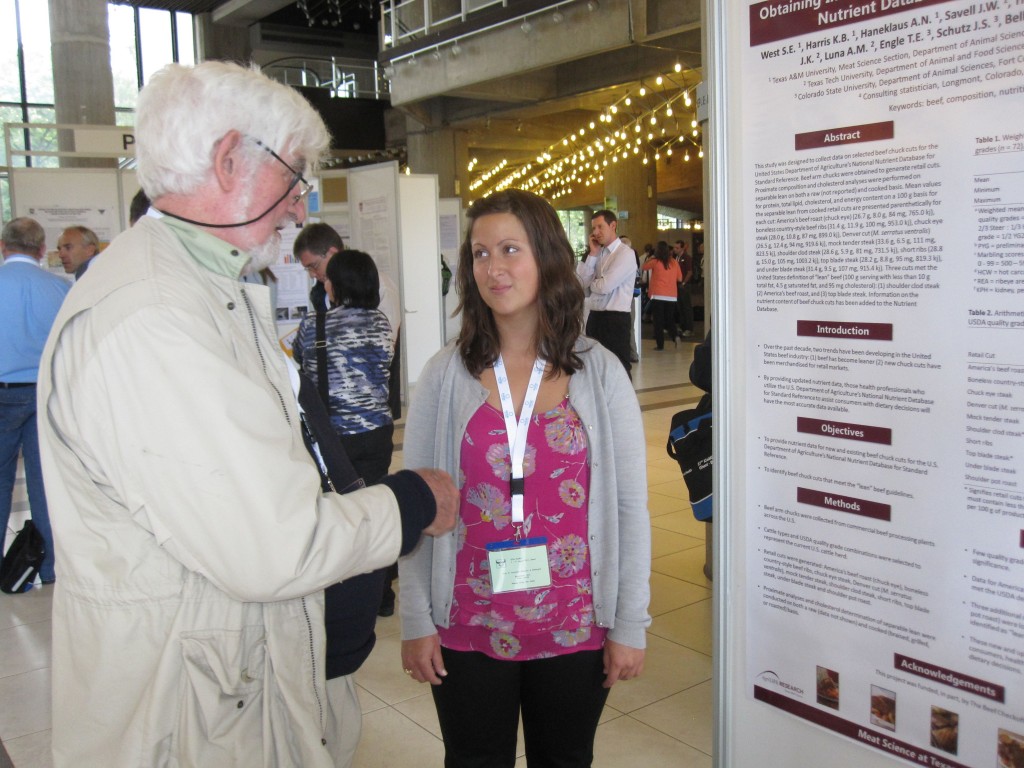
608 278
358 355
491 646
193 534
665 277
77 246
30 297
314 247
684 303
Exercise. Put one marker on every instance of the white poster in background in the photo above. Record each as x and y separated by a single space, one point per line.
376 227
56 218
883 156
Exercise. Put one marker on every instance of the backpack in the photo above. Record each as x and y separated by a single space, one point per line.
23 560
689 443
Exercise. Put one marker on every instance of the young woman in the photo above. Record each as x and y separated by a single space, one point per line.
663 286
537 602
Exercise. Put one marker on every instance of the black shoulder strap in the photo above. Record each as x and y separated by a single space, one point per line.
321 355
336 470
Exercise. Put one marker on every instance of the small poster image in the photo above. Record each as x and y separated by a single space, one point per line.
1010 749
883 708
945 729
828 687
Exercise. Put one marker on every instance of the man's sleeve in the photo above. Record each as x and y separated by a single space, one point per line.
211 462
585 272
617 269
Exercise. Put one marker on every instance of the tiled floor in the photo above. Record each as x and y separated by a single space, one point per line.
662 718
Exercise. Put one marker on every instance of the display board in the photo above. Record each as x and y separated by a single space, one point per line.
58 198
868 195
423 328
373 214
451 233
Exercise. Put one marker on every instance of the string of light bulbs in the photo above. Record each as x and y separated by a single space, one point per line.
633 127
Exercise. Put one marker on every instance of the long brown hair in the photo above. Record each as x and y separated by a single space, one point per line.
663 253
559 293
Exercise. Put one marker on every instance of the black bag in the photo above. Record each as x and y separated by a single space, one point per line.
23 560
689 443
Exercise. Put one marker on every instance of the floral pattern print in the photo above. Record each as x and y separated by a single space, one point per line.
532 623
567 555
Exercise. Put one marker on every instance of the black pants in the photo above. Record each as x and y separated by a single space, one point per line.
685 305
612 329
370 454
664 320
479 702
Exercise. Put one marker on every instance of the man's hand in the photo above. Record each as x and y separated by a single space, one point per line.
621 662
421 659
446 497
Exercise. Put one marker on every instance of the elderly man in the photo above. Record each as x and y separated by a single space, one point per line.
193 536
77 246
29 300
608 275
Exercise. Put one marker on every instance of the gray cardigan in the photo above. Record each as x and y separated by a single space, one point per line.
446 397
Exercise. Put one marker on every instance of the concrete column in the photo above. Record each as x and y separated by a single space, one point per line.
634 186
441 151
221 42
83 85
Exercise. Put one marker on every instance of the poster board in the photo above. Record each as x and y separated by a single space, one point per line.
867 164
419 223
373 214
58 198
451 231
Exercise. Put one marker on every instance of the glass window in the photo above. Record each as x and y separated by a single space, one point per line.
186 38
35 40
43 139
10 113
5 197
10 87
121 19
155 42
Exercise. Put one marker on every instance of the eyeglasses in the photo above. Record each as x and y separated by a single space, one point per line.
312 268
297 177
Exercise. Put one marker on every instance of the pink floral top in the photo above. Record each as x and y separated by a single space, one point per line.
533 623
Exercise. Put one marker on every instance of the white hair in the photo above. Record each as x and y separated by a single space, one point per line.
183 112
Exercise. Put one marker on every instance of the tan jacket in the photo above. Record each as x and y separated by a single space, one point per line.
192 539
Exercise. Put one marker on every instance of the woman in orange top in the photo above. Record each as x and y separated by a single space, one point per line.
665 279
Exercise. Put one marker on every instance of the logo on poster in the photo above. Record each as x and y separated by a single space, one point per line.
768 677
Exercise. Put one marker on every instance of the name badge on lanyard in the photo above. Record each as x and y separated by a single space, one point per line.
520 563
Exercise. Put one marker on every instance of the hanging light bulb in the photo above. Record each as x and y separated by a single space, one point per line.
678 67
629 101
658 80
643 91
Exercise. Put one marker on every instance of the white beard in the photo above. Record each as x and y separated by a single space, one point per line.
263 255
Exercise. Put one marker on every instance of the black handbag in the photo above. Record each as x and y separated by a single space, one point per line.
689 443
23 560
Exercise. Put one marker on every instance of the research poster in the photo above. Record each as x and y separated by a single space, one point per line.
883 193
